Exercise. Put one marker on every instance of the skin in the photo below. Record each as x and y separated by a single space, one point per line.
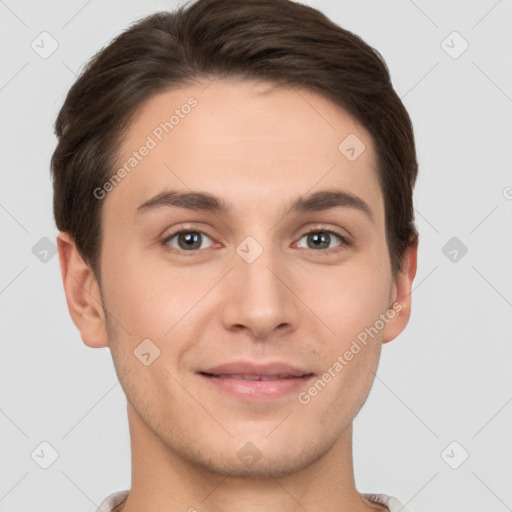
258 147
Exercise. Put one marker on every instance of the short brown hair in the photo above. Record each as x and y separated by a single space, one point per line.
281 41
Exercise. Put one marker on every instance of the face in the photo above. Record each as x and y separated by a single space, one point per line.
248 322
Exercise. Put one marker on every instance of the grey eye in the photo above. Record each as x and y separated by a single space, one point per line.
319 239
188 240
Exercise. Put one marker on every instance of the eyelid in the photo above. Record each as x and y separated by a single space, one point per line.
326 228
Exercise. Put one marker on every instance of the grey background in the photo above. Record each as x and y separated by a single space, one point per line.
446 379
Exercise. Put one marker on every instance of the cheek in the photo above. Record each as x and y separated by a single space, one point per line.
352 307
146 301
351 299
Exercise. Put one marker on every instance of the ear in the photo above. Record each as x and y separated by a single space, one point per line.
82 293
402 288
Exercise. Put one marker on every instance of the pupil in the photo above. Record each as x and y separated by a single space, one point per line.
190 239
320 238
316 239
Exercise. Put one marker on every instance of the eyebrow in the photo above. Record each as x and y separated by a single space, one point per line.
203 201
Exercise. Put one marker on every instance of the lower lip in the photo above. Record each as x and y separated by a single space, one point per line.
258 389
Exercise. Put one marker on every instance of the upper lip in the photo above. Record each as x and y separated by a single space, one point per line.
275 369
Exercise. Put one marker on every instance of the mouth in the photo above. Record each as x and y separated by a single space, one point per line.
248 381
250 377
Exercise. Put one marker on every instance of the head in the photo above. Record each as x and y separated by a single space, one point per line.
261 124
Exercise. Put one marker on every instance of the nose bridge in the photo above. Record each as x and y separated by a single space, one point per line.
259 300
256 267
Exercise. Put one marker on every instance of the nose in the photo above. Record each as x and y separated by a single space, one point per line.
259 297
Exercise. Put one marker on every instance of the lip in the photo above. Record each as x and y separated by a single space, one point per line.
252 381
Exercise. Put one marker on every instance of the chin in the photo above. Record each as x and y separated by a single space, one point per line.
256 460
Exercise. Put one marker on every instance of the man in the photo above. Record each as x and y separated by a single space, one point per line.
233 186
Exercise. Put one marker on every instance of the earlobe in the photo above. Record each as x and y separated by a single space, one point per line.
400 308
82 293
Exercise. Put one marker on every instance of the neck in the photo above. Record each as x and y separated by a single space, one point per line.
162 480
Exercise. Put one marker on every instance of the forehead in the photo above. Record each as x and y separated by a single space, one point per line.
248 141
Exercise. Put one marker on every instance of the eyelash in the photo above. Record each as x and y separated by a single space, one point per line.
345 243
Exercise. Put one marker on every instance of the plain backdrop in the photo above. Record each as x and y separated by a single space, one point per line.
436 429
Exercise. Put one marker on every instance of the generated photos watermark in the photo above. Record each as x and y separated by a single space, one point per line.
305 397
152 140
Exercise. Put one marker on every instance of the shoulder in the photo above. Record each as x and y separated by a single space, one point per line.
388 501
112 501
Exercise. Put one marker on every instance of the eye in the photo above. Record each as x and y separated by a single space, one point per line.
321 239
188 240
192 241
